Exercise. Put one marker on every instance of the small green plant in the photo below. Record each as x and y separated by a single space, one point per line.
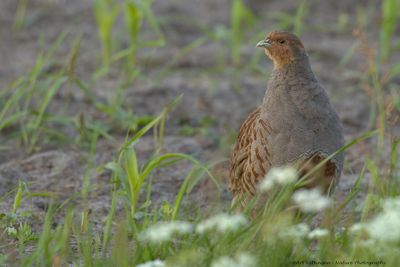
241 19
18 197
3 259
291 22
21 13
23 232
106 12
135 13
131 176
301 14
25 101
25 105
389 23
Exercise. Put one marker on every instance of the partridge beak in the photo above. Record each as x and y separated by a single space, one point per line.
264 43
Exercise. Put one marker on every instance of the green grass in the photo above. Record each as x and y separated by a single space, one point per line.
294 23
20 15
389 24
127 235
241 19
135 13
268 240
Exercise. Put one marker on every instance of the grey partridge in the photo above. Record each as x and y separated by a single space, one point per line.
295 124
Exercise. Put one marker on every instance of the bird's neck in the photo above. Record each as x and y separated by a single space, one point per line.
296 74
297 67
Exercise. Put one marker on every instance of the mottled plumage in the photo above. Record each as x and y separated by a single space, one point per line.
295 124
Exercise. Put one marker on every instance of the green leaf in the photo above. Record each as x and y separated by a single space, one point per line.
18 197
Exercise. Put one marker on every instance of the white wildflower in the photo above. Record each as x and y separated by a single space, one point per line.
278 176
163 231
297 231
391 204
380 249
311 200
246 259
386 226
318 233
11 231
357 227
241 260
266 184
222 223
223 262
155 263
283 176
369 243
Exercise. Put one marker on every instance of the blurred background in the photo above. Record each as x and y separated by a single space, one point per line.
77 75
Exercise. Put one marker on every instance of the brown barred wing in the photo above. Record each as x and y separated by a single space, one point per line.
250 159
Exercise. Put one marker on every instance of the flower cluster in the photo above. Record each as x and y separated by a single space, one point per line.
163 231
385 226
241 260
222 223
155 263
311 200
296 232
278 176
318 233
302 231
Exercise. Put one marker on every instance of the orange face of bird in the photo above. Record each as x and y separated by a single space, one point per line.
282 47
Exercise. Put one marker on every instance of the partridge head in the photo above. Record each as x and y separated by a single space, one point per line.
282 48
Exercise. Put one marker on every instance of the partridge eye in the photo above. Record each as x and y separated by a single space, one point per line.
281 41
